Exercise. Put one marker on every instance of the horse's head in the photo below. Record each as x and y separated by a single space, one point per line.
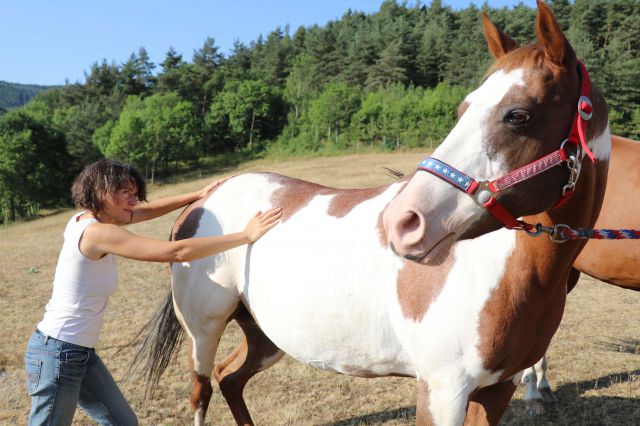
521 113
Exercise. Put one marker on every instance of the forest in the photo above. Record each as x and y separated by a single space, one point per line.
386 80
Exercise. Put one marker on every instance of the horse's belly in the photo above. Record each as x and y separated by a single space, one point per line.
327 305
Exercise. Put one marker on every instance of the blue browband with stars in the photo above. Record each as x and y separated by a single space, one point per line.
446 172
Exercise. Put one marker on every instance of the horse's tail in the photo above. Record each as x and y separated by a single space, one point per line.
163 334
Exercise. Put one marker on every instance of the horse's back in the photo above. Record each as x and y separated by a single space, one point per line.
617 261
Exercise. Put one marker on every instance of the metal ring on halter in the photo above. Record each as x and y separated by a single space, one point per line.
578 149
556 235
585 115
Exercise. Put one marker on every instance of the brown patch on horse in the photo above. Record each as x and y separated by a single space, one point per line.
418 286
187 223
201 389
487 405
532 292
295 194
346 199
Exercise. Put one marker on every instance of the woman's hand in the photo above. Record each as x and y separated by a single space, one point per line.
209 188
261 223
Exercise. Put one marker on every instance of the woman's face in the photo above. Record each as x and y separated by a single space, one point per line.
118 209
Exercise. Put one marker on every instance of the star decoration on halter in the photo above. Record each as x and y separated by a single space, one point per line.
446 172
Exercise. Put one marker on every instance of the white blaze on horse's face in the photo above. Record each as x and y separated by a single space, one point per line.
429 215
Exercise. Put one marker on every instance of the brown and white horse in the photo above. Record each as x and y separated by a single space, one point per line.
326 287
615 262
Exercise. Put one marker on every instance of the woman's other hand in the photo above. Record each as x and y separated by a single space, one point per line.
213 185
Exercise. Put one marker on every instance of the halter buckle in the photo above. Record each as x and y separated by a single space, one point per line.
483 187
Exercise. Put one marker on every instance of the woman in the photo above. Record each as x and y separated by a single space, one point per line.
63 369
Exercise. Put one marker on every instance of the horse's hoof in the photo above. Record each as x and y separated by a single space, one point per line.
535 407
547 395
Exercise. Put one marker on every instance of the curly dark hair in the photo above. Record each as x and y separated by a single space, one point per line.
102 179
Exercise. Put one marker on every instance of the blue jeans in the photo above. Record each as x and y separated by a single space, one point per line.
61 376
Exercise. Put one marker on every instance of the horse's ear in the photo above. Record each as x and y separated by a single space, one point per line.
498 42
550 36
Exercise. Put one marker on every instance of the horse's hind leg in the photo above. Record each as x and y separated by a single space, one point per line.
256 353
201 361
203 309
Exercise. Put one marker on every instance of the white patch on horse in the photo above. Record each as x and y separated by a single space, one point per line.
339 289
454 368
466 143
601 145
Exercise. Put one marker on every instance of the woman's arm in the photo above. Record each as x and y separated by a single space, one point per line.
156 208
100 239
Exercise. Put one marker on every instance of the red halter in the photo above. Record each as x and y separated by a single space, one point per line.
577 137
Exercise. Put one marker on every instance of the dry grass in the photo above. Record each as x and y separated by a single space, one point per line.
595 367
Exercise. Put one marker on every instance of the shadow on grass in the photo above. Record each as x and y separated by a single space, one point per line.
573 407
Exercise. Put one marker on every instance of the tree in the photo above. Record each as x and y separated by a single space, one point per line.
332 110
169 79
136 74
246 108
390 68
299 90
102 78
34 168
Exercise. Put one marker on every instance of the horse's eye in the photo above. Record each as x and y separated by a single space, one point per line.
517 117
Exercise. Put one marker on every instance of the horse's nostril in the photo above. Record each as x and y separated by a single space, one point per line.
410 222
410 229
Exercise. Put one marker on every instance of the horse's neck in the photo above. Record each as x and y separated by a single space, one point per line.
551 262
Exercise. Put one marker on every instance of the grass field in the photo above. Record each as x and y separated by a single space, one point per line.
594 357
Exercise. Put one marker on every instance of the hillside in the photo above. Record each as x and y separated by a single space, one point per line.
14 94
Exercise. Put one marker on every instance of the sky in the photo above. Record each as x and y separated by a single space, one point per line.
49 42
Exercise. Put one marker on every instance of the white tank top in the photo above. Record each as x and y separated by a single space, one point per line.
81 290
